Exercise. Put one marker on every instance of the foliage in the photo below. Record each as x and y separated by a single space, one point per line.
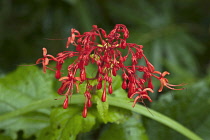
36 114
20 89
189 107
28 89
131 129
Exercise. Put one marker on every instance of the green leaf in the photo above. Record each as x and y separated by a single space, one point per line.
189 107
132 129
19 89
117 82
113 102
115 115
67 124
102 108
91 70
118 92
3 137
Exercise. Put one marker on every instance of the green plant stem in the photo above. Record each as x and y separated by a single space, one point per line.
155 116
113 101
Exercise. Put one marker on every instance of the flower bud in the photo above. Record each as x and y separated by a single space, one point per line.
114 71
99 86
78 48
58 74
84 113
89 103
123 44
66 103
82 75
150 85
124 84
110 89
103 98
62 88
132 89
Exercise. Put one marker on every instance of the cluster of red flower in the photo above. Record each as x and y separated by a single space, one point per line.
104 50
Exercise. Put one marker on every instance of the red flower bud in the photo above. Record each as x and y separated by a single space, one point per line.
98 62
134 59
150 67
110 89
150 85
126 34
58 70
100 70
89 103
87 95
121 65
125 76
95 26
114 71
132 79
66 102
134 68
82 75
81 64
122 59
141 81
123 44
58 74
84 113
78 48
109 79
99 86
103 98
124 84
100 79
132 89
62 88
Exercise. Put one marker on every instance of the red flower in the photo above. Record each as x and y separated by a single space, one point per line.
141 94
104 50
45 60
164 81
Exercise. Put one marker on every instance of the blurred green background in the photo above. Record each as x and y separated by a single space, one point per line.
176 31
175 36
